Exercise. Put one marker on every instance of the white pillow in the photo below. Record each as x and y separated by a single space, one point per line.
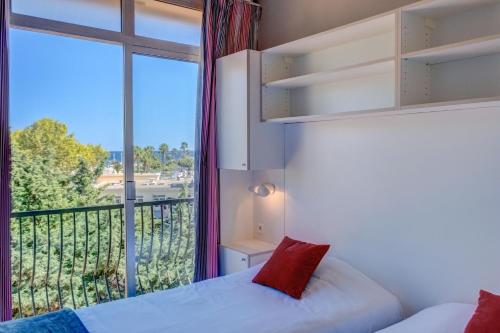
444 318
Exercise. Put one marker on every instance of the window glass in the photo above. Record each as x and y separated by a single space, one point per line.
164 126
66 116
104 14
160 20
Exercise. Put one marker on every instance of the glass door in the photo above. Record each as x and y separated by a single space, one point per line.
161 156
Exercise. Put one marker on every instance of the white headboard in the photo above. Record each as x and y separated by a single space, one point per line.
411 201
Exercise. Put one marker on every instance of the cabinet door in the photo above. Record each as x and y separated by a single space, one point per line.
232 111
259 258
232 261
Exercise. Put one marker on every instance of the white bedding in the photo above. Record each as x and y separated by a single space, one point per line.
338 299
444 318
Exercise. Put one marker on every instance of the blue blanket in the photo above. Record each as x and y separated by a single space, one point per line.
64 321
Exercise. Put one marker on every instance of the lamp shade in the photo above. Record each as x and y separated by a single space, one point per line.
263 190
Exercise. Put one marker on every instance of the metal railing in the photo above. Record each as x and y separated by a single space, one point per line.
75 257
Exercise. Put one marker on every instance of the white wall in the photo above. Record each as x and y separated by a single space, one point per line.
236 205
412 201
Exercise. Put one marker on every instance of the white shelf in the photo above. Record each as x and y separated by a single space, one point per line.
331 116
345 73
441 8
250 246
475 103
459 38
355 31
470 104
457 51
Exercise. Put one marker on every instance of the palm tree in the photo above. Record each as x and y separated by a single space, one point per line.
184 148
138 158
148 158
164 152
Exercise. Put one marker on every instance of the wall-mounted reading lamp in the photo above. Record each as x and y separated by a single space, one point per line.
263 190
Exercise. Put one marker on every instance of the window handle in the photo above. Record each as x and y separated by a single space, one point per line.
130 190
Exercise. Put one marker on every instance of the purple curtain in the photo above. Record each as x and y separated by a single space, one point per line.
5 203
228 26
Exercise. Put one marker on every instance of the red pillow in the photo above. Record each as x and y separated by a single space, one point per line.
291 266
486 319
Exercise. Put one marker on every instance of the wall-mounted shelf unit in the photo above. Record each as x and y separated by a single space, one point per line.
433 55
450 52
332 72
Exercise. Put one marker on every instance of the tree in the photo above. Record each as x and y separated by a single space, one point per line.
51 169
117 166
164 152
186 163
83 191
36 181
146 160
184 148
48 137
175 153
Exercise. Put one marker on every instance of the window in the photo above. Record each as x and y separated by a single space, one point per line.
161 20
104 14
159 197
165 102
79 79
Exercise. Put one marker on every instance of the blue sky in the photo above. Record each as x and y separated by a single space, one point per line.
80 83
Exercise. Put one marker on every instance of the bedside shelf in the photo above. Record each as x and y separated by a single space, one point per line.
345 73
250 246
242 254
463 50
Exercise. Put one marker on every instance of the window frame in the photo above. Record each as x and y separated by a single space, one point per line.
131 44
126 36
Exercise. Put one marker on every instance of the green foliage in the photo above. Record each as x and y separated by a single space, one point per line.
36 181
117 166
50 138
167 161
77 258
51 169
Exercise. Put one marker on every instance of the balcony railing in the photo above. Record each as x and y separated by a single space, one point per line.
75 257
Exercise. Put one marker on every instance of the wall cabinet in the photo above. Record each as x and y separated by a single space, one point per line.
244 141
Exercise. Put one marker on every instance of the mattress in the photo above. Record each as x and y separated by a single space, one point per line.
444 318
338 299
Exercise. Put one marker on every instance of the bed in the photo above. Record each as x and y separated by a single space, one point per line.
444 318
338 299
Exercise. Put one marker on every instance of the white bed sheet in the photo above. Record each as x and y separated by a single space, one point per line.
444 318
338 299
